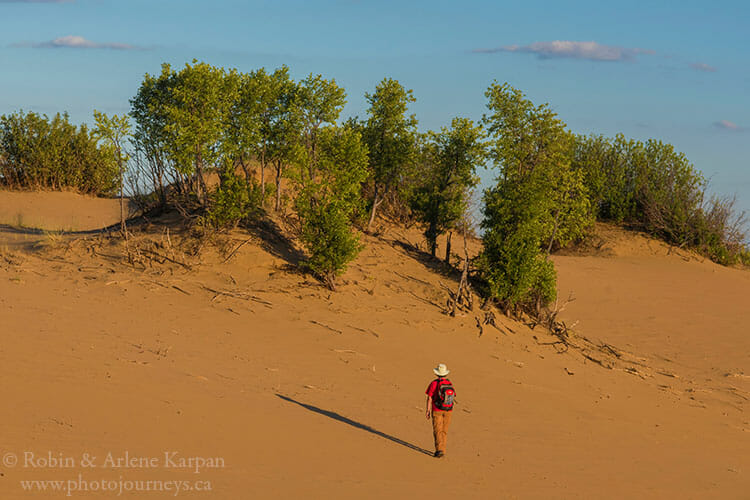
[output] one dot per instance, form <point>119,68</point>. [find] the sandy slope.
<point>687,313</point>
<point>303,392</point>
<point>59,210</point>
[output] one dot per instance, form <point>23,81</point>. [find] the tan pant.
<point>440,422</point>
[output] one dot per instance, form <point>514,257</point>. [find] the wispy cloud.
<point>703,67</point>
<point>75,42</point>
<point>559,49</point>
<point>727,125</point>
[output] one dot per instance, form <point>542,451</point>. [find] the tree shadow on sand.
<point>273,240</point>
<point>435,264</point>
<point>353,423</point>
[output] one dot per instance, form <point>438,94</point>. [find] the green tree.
<point>114,131</point>
<point>328,200</point>
<point>391,138</point>
<point>243,129</point>
<point>150,138</point>
<point>285,145</point>
<point>442,198</point>
<point>197,114</point>
<point>531,144</point>
<point>319,102</point>
<point>537,199</point>
<point>267,105</point>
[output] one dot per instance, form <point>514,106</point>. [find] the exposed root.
<point>237,295</point>
<point>326,326</point>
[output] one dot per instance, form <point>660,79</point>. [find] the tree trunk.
<point>245,169</point>
<point>375,204</point>
<point>263,176</point>
<point>432,236</point>
<point>160,187</point>
<point>279,169</point>
<point>448,248</point>
<point>203,190</point>
<point>202,187</point>
<point>554,232</point>
<point>123,229</point>
<point>330,281</point>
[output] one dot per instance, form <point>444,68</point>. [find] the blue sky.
<point>676,71</point>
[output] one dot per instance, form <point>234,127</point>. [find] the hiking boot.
<point>439,454</point>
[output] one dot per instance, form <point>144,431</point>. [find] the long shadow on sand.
<point>273,240</point>
<point>353,423</point>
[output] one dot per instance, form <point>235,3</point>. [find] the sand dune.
<point>304,392</point>
<point>59,210</point>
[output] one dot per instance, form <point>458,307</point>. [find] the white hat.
<point>441,370</point>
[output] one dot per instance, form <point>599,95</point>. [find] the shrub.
<point>327,234</point>
<point>235,200</point>
<point>514,270</point>
<point>721,232</point>
<point>654,187</point>
<point>670,194</point>
<point>36,152</point>
<point>568,217</point>
<point>330,198</point>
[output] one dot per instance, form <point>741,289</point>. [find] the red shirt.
<point>431,390</point>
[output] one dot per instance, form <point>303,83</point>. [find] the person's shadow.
<point>353,423</point>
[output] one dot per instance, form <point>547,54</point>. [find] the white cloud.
<point>592,51</point>
<point>727,125</point>
<point>703,67</point>
<point>75,42</point>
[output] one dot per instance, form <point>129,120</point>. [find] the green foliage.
<point>538,202</point>
<point>511,264</point>
<point>197,114</point>
<point>391,138</point>
<point>182,120</point>
<point>193,120</point>
<point>609,172</point>
<point>720,232</point>
<point>452,156</point>
<point>327,234</point>
<point>329,199</point>
<point>113,131</point>
<point>150,138</point>
<point>568,217</point>
<point>526,138</point>
<point>319,101</point>
<point>670,194</point>
<point>266,123</point>
<point>531,145</point>
<point>150,104</point>
<point>236,199</point>
<point>36,152</point>
<point>654,187</point>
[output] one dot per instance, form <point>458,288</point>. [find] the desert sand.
<point>291,390</point>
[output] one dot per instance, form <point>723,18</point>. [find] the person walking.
<point>440,400</point>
